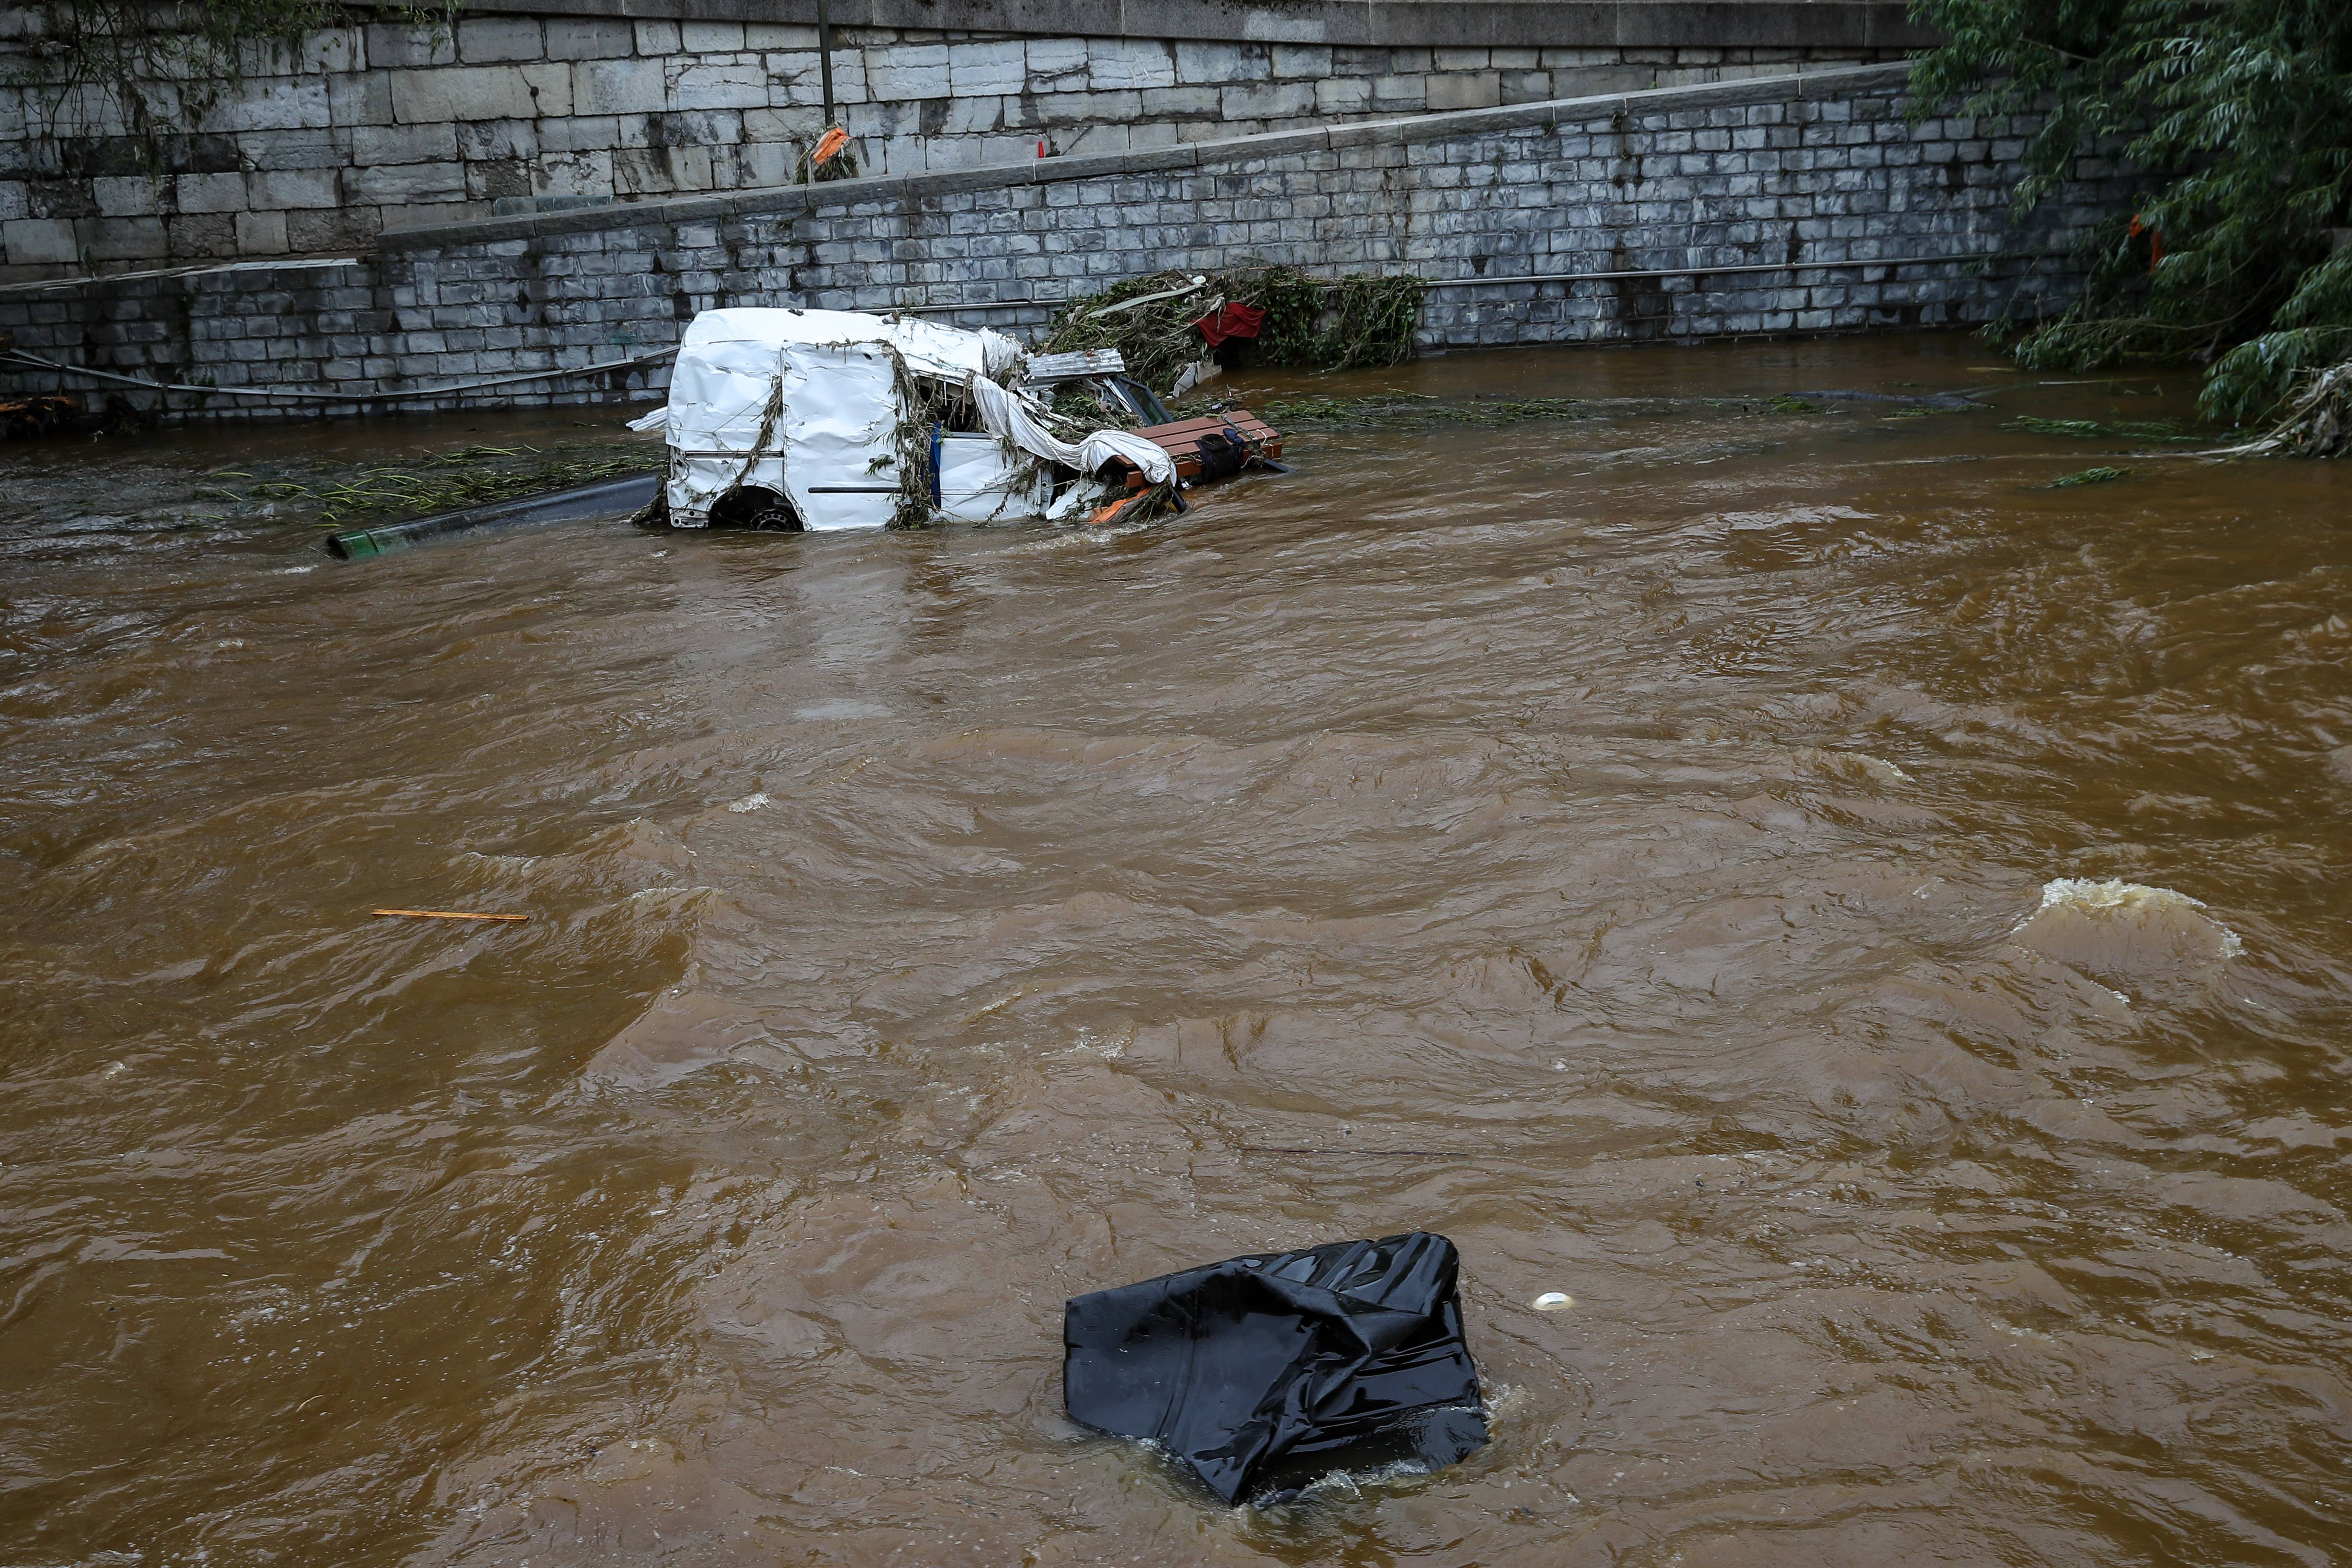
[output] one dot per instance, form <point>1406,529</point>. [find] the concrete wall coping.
<point>1440,24</point>
<point>897,190</point>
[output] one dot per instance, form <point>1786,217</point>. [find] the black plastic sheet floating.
<point>1261,1374</point>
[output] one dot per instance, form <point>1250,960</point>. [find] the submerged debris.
<point>39,414</point>
<point>447,482</point>
<point>1169,322</point>
<point>1265,1373</point>
<point>1428,408</point>
<point>2088,476</point>
<point>2318,420</point>
<point>1422,408</point>
<point>2166,430</point>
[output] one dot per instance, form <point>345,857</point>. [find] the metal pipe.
<point>824,57</point>
<point>17,356</point>
<point>1434,285</point>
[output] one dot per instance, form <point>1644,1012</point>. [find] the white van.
<point>834,419</point>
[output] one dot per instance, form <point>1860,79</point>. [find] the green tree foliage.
<point>2236,116</point>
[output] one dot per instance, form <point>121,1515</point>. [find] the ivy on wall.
<point>157,67</point>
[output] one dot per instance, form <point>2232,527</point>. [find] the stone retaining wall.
<point>1815,202</point>
<point>523,104</point>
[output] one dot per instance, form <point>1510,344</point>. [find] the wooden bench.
<point>1182,440</point>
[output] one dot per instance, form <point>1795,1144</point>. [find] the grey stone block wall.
<point>377,126</point>
<point>1796,205</point>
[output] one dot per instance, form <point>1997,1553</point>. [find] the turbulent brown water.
<point>1624,844</point>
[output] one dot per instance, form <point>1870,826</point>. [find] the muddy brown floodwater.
<point>1871,930</point>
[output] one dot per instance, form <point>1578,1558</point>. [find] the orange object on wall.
<point>832,141</point>
<point>2154,240</point>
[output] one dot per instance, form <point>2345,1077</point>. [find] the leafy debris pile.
<point>2318,421</point>
<point>1309,323</point>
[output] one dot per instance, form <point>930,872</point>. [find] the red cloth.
<point>1229,321</point>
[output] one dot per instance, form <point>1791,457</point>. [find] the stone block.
<point>495,40</point>
<point>1058,65</point>
<point>618,86</point>
<point>208,193</point>
<point>659,171</point>
<point>376,145</point>
<point>402,184</point>
<point>581,174</point>
<point>1221,63</point>
<point>482,141</point>
<point>462,92</point>
<point>276,190</point>
<point>1309,61</point>
<point>397,47</point>
<point>760,163</point>
<point>279,104</point>
<point>40,240</point>
<point>700,85</point>
<point>1115,65</point>
<point>1526,87</point>
<point>658,38</point>
<point>488,181</point>
<point>792,125</point>
<point>991,68</point>
<point>972,116</point>
<point>796,78</point>
<point>261,234</point>
<point>204,235</point>
<point>711,37</point>
<point>305,148</point>
<point>128,195</point>
<point>331,50</point>
<point>129,240</point>
<point>362,99</point>
<point>1076,108</point>
<point>589,39</point>
<point>907,71</point>
<point>779,36</point>
<point>550,85</point>
<point>1182,102</point>
<point>1467,89</point>
<point>1268,100</point>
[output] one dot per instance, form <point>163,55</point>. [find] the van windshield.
<point>1139,397</point>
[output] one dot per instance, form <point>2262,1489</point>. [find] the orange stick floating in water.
<point>449,915</point>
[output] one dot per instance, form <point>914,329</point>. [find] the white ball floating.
<point>1554,1301</point>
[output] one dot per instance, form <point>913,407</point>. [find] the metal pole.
<point>824,57</point>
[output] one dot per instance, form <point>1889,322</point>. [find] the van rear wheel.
<point>755,507</point>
